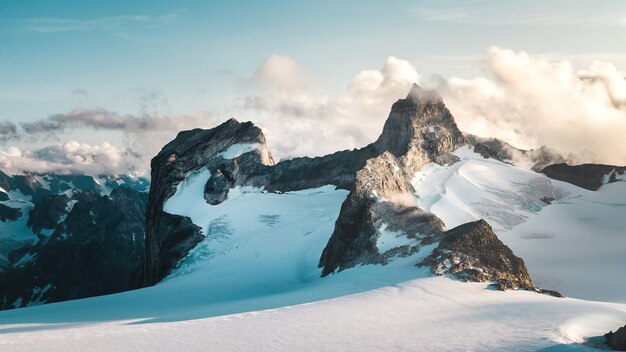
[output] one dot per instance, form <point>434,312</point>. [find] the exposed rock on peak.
<point>420,129</point>
<point>473,252</point>
<point>418,95</point>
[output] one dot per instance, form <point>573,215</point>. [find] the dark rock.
<point>4,196</point>
<point>550,292</point>
<point>617,340</point>
<point>94,251</point>
<point>168,237</point>
<point>473,252</point>
<point>47,213</point>
<point>420,129</point>
<point>9,214</point>
<point>588,176</point>
<point>499,150</point>
<point>382,196</point>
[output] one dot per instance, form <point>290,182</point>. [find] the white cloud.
<point>531,102</point>
<point>300,122</point>
<point>282,73</point>
<point>72,157</point>
<point>525,100</point>
<point>52,25</point>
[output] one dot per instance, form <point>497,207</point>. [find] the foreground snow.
<point>254,284</point>
<point>431,314</point>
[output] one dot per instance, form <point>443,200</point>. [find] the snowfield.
<point>253,283</point>
<point>575,245</point>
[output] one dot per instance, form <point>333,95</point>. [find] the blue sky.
<point>60,54</point>
<point>189,57</point>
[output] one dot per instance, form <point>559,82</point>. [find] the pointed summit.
<point>419,94</point>
<point>420,129</point>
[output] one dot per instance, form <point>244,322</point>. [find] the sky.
<point>101,86</point>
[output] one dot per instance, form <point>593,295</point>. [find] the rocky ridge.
<point>588,176</point>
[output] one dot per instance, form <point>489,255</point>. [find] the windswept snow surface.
<point>253,284</point>
<point>575,245</point>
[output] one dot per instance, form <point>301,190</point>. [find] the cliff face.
<point>169,237</point>
<point>381,200</point>
<point>420,129</point>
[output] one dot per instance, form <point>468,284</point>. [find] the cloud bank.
<point>73,157</point>
<point>143,135</point>
<point>531,102</point>
<point>523,100</point>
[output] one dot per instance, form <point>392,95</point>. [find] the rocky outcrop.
<point>617,340</point>
<point>588,176</point>
<point>95,250</point>
<point>420,129</point>
<point>381,200</point>
<point>473,252</point>
<point>169,237</point>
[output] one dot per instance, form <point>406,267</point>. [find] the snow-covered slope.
<point>254,282</point>
<point>432,314</point>
<point>575,245</point>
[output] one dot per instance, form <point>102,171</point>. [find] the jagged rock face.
<point>95,250</point>
<point>35,208</point>
<point>420,129</point>
<point>382,196</point>
<point>473,252</point>
<point>47,212</point>
<point>588,176</point>
<point>337,169</point>
<point>170,237</point>
<point>617,340</point>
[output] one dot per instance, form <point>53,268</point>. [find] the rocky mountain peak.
<point>420,129</point>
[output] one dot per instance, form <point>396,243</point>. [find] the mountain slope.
<point>69,236</point>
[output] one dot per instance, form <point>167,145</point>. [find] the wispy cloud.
<point>518,14</point>
<point>111,23</point>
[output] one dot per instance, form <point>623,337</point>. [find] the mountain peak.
<point>419,94</point>
<point>420,129</point>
